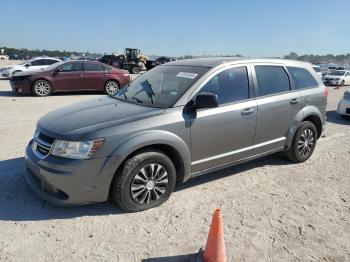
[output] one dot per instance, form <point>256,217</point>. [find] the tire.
<point>131,187</point>
<point>303,144</point>
<point>111,87</point>
<point>135,70</point>
<point>142,66</point>
<point>42,88</point>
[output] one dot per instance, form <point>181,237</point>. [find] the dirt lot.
<point>273,210</point>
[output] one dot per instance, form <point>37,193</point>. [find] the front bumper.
<point>64,182</point>
<point>344,107</point>
<point>21,87</point>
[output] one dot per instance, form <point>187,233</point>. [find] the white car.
<point>344,104</point>
<point>317,69</point>
<point>30,65</point>
<point>337,78</point>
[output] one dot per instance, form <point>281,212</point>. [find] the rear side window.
<point>230,85</point>
<point>38,62</point>
<point>50,61</point>
<point>93,67</point>
<point>271,80</point>
<point>72,67</point>
<point>302,78</point>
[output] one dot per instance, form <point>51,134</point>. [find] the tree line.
<point>27,53</point>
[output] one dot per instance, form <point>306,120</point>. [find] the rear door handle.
<point>80,75</point>
<point>105,74</point>
<point>295,101</point>
<point>248,111</point>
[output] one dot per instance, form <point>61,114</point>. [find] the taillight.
<point>325,92</point>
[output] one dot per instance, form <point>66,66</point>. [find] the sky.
<point>256,28</point>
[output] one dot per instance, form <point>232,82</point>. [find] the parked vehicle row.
<point>344,104</point>
<point>70,76</point>
<point>156,132</point>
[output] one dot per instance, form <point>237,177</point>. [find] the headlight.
<point>76,150</point>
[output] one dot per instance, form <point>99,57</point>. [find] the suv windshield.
<point>338,73</point>
<point>162,86</point>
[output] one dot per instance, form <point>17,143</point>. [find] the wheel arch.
<point>42,79</point>
<point>168,143</point>
<point>310,113</point>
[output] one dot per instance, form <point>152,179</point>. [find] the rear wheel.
<point>146,180</point>
<point>111,87</point>
<point>303,143</point>
<point>42,88</point>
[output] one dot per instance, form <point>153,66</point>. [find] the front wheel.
<point>42,88</point>
<point>111,87</point>
<point>146,180</point>
<point>303,143</point>
<point>135,69</point>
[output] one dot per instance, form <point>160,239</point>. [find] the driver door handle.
<point>248,111</point>
<point>295,101</point>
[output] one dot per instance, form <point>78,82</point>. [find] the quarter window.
<point>230,85</point>
<point>271,80</point>
<point>302,78</point>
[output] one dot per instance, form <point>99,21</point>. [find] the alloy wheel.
<point>306,142</point>
<point>42,88</point>
<point>112,87</point>
<point>149,184</point>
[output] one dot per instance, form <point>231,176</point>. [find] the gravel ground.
<point>273,210</point>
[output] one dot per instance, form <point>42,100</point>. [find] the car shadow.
<point>19,203</point>
<point>180,258</point>
<point>13,94</point>
<point>335,118</point>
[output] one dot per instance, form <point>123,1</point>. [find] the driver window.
<point>230,85</point>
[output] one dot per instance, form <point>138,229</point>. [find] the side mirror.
<point>206,100</point>
<point>28,64</point>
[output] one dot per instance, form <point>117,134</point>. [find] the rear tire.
<point>145,181</point>
<point>42,88</point>
<point>303,144</point>
<point>111,87</point>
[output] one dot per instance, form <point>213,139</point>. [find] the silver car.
<point>177,121</point>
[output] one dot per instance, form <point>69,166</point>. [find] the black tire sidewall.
<point>135,70</point>
<point>302,128</point>
<point>36,94</point>
<point>121,187</point>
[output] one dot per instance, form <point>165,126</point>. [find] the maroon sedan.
<point>70,76</point>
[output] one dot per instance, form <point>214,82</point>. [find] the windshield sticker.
<point>187,75</point>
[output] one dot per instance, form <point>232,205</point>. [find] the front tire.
<point>303,144</point>
<point>135,69</point>
<point>111,87</point>
<point>145,181</point>
<point>42,88</point>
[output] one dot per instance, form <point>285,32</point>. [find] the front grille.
<point>46,138</point>
<point>42,149</point>
<point>42,144</point>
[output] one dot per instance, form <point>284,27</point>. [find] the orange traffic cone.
<point>215,247</point>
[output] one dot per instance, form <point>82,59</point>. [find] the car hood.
<point>92,115</point>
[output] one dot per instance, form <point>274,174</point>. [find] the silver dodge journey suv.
<point>177,121</point>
